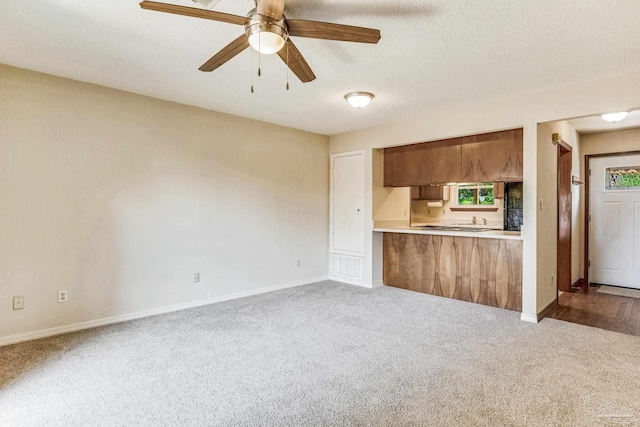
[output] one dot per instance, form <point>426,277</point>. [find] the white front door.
<point>347,193</point>
<point>614,229</point>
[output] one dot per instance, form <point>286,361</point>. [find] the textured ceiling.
<point>432,52</point>
<point>595,124</point>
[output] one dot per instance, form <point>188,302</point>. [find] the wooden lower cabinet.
<point>481,270</point>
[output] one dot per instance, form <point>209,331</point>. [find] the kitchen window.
<point>476,196</point>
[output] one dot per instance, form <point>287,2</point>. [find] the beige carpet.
<point>621,292</point>
<point>326,355</point>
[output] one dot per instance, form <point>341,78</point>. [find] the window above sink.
<point>479,196</point>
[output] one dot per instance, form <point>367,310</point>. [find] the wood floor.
<point>614,313</point>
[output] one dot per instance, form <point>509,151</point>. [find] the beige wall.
<point>120,199</point>
<point>547,228</point>
<point>525,109</point>
<point>602,143</point>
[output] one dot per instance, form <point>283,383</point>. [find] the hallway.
<point>604,311</point>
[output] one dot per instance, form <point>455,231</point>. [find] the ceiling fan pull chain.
<point>259,49</point>
<point>287,66</point>
<point>252,68</point>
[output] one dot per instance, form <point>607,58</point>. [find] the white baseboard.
<point>73,327</point>
<point>351,281</point>
<point>377,284</point>
<point>528,318</point>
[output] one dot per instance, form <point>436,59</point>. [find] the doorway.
<point>564,217</point>
<point>614,220</point>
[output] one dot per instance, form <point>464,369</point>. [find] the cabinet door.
<point>445,161</point>
<point>416,170</point>
<point>492,157</point>
<point>393,166</point>
<point>415,193</point>
<point>431,192</point>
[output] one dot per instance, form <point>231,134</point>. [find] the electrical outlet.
<point>552,279</point>
<point>62,296</point>
<point>196,278</point>
<point>18,302</point>
<point>298,263</point>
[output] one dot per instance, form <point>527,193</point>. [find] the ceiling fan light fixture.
<point>266,43</point>
<point>359,99</point>
<point>266,35</point>
<point>615,117</point>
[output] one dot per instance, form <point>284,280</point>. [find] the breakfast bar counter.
<point>483,267</point>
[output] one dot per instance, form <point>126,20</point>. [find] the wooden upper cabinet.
<point>492,157</point>
<point>431,163</point>
<point>427,192</point>
<point>394,167</point>
<point>489,157</point>
<point>445,161</point>
<point>417,164</point>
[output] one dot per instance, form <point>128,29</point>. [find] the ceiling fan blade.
<point>229,51</point>
<point>194,12</point>
<point>327,31</point>
<point>271,8</point>
<point>297,63</point>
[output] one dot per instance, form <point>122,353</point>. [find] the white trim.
<point>528,318</point>
<point>73,327</point>
<point>351,281</point>
<point>377,284</point>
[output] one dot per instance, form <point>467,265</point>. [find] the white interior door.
<point>347,194</point>
<point>614,229</point>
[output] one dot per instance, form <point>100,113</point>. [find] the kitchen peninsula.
<point>475,262</point>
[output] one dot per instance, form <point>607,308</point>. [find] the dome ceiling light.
<point>615,117</point>
<point>359,99</point>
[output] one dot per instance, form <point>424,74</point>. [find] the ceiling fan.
<point>267,30</point>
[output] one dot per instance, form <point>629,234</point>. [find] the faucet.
<point>484,221</point>
<point>474,220</point>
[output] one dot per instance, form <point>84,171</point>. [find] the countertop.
<point>492,234</point>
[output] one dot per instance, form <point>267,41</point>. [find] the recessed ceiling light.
<point>359,99</point>
<point>615,117</point>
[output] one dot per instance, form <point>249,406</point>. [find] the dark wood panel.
<point>427,192</point>
<point>394,167</point>
<point>445,161</point>
<point>417,165</point>
<point>564,219</point>
<point>431,192</point>
<point>488,157</point>
<point>416,193</point>
<point>492,157</point>
<point>485,271</point>
<point>498,190</point>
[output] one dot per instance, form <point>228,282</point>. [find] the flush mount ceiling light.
<point>359,99</point>
<point>615,117</point>
<point>266,35</point>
